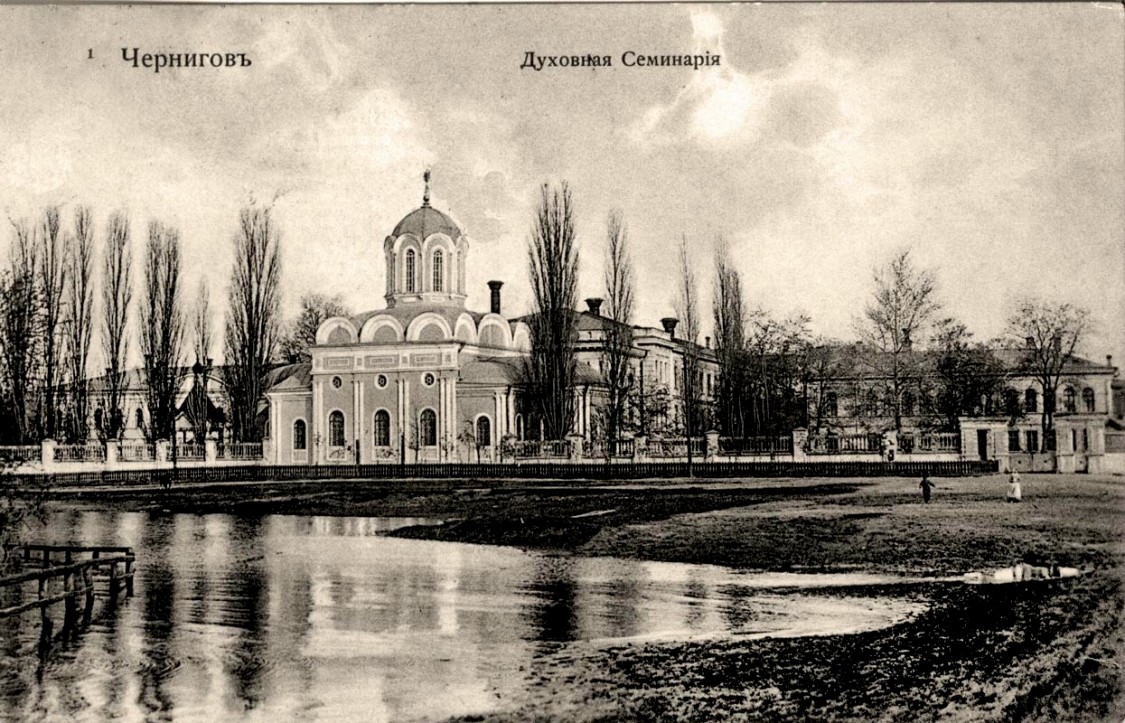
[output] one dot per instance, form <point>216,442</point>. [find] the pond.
<point>292,617</point>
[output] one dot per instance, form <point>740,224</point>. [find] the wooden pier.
<point>68,574</point>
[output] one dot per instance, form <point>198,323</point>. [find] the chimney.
<point>595,306</point>
<point>1109,360</point>
<point>669,324</point>
<point>494,304</point>
<point>1029,342</point>
<point>707,342</point>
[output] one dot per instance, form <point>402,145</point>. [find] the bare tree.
<point>199,403</point>
<point>79,303</point>
<point>51,281</point>
<point>619,290</point>
<point>687,308</point>
<point>252,318</point>
<point>730,342</point>
<point>902,307</point>
<point>1049,333</point>
<point>162,329</point>
<point>117,295</point>
<point>301,335</point>
<point>553,268</point>
<point>20,334</point>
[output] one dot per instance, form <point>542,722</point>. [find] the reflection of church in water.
<point>427,379</point>
<point>423,379</point>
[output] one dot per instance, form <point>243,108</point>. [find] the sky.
<point>988,139</point>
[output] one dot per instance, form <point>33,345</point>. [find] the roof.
<point>426,220</point>
<point>289,378</point>
<point>497,371</point>
<point>405,313</point>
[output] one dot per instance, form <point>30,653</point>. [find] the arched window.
<point>1069,401</point>
<point>336,429</point>
<point>299,435</point>
<point>1011,403</point>
<point>1088,399</point>
<point>484,432</point>
<point>831,406</point>
<point>140,418</point>
<point>1031,401</point>
<point>519,427</point>
<point>427,431</point>
<point>382,428</point>
<point>410,269</point>
<point>439,277</point>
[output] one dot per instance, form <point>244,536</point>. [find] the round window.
<point>381,380</point>
<point>337,382</point>
<point>428,379</point>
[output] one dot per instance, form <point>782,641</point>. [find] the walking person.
<point>1015,493</point>
<point>926,486</point>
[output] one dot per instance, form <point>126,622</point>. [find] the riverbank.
<point>1049,651</point>
<point>1037,652</point>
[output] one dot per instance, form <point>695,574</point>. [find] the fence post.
<point>712,438</point>
<point>800,439</point>
<point>640,447</point>
<point>210,450</point>
<point>576,450</point>
<point>161,453</point>
<point>47,454</point>
<point>112,452</point>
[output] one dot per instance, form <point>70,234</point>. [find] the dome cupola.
<point>425,257</point>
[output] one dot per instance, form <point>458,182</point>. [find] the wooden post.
<point>69,608</point>
<point>129,577</point>
<point>113,581</point>
<point>88,581</point>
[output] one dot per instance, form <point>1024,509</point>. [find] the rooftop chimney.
<point>494,303</point>
<point>595,306</point>
<point>669,324</point>
<point>1109,360</point>
<point>707,342</point>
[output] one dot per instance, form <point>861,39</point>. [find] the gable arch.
<point>521,336</point>
<point>465,330</point>
<point>420,324</point>
<point>494,331</point>
<point>337,330</point>
<point>382,329</point>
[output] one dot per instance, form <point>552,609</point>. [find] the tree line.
<point>54,302</point>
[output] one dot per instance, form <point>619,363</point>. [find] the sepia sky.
<point>989,139</point>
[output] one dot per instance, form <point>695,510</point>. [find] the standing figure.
<point>926,486</point>
<point>1015,494</point>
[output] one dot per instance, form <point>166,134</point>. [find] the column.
<point>357,414</point>
<point>315,424</point>
<point>443,418</point>
<point>497,424</point>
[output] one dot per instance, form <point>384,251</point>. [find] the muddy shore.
<point>1051,651</point>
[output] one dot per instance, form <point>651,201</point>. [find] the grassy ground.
<point>1051,651</point>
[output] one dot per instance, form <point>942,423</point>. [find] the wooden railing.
<point>735,446</point>
<point>80,453</point>
<point>20,453</point>
<point>77,569</point>
<point>845,444</point>
<point>911,443</point>
<point>674,448</point>
<point>241,451</point>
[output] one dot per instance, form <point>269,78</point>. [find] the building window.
<point>337,382</point>
<point>831,407</point>
<point>1069,404</point>
<point>427,428</point>
<point>381,381</point>
<point>439,263</point>
<point>1088,399</point>
<point>1032,440</point>
<point>428,379</point>
<point>1011,403</point>
<point>299,434</point>
<point>409,270</point>
<point>336,429</point>
<point>1031,401</point>
<point>519,427</point>
<point>1013,440</point>
<point>382,428</point>
<point>908,404</point>
<point>871,403</point>
<point>140,418</point>
<point>484,432</point>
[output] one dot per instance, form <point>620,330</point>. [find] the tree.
<point>902,306</point>
<point>773,373</point>
<point>301,335</point>
<point>1049,333</point>
<point>619,290</point>
<point>51,281</point>
<point>162,329</point>
<point>553,267</point>
<point>687,307</point>
<point>20,335</point>
<point>199,403</point>
<point>730,343</point>
<point>117,295</point>
<point>965,373</point>
<point>821,366</point>
<point>78,310</point>
<point>252,318</point>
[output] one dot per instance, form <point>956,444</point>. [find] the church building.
<point>424,379</point>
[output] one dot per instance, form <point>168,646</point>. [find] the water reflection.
<point>286,617</point>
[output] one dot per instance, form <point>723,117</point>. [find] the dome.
<point>424,221</point>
